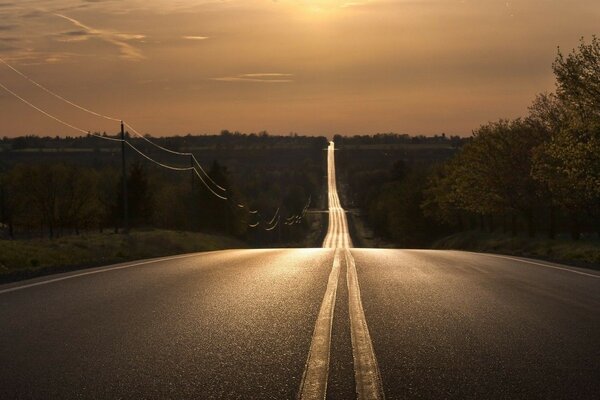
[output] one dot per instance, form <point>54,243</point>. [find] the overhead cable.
<point>87,110</point>
<point>157,162</point>
<point>207,186</point>
<point>179,153</point>
<point>109,138</point>
<point>274,216</point>
<point>87,132</point>
<point>44,88</point>
<point>273,226</point>
<point>42,111</point>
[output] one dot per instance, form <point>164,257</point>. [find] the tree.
<point>491,175</point>
<point>440,199</point>
<point>78,205</point>
<point>550,113</point>
<point>139,195</point>
<point>52,197</point>
<point>569,163</point>
<point>578,79</point>
<point>570,166</point>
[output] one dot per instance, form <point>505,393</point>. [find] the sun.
<point>324,5</point>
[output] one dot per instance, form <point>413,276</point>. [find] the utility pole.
<point>124,177</point>
<point>193,171</point>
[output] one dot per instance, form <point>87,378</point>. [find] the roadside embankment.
<point>21,259</point>
<point>584,252</point>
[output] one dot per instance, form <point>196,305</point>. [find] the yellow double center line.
<point>314,381</point>
<point>366,370</point>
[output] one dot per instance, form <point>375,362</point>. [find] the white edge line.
<point>135,264</point>
<point>534,263</point>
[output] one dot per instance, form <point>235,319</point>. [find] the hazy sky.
<point>309,66</point>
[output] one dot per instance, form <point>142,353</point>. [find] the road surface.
<point>306,323</point>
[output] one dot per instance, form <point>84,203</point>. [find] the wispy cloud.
<point>31,57</point>
<point>73,36</point>
<point>195,37</point>
<point>266,77</point>
<point>118,39</point>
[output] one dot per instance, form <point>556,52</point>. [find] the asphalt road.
<point>308,323</point>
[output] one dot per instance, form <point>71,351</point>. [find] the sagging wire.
<point>297,219</point>
<point>57,95</point>
<point>110,118</point>
<point>207,186</point>
<point>179,153</point>
<point>42,111</point>
<point>274,216</point>
<point>273,226</point>
<point>47,114</point>
<point>87,110</point>
<point>157,162</point>
<point>105,137</point>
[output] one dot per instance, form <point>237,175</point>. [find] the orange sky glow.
<point>308,66</point>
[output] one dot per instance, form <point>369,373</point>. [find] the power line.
<point>155,144</point>
<point>157,162</point>
<point>179,153</point>
<point>274,216</point>
<point>104,137</point>
<point>274,226</point>
<point>207,186</point>
<point>57,95</point>
<point>42,111</point>
<point>108,138</point>
<point>87,110</point>
<point>87,132</point>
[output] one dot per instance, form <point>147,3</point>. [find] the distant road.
<point>308,323</point>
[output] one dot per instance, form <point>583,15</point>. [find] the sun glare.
<point>324,6</point>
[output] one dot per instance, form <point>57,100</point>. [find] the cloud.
<point>266,77</point>
<point>195,37</point>
<point>118,39</point>
<point>31,57</point>
<point>73,36</point>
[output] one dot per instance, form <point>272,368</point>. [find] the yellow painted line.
<point>366,370</point>
<point>316,372</point>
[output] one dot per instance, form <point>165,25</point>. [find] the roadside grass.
<point>21,259</point>
<point>585,252</point>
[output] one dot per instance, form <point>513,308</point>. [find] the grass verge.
<point>21,259</point>
<point>584,253</point>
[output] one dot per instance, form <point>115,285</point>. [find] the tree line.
<point>83,191</point>
<point>538,173</point>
